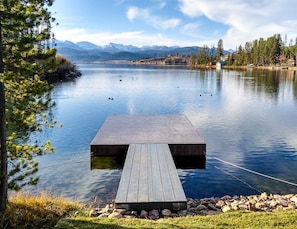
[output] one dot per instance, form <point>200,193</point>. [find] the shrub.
<point>66,71</point>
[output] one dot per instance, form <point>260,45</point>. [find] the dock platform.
<point>150,180</point>
<point>119,131</point>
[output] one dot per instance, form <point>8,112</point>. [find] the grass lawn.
<point>280,219</point>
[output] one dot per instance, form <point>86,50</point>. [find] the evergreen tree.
<point>248,53</point>
<point>203,55</point>
<point>261,52</point>
<point>212,53</point>
<point>255,53</point>
<point>220,50</point>
<point>239,58</point>
<point>26,54</point>
<point>192,60</point>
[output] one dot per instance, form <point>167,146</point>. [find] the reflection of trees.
<point>273,83</point>
<point>210,80</point>
<point>293,76</point>
<point>267,82</point>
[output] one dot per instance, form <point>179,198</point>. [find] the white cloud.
<point>190,28</point>
<point>135,12</point>
<point>136,38</point>
<point>132,13</point>
<point>153,20</point>
<point>190,8</point>
<point>247,19</point>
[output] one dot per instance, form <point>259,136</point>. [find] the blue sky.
<point>174,22</point>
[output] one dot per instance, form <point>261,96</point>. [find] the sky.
<point>174,22</point>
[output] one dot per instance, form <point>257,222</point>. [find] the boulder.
<point>166,212</point>
<point>226,208</point>
<point>143,214</point>
<point>115,215</point>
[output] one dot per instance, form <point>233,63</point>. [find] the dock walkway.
<point>150,180</point>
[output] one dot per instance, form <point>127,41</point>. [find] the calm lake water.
<point>248,118</point>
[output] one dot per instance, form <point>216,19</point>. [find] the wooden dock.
<point>119,131</point>
<point>149,179</point>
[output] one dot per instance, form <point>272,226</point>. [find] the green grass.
<point>47,211</point>
<point>280,219</point>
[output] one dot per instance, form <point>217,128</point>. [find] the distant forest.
<point>262,52</point>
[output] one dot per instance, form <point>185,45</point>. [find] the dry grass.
<point>42,211</point>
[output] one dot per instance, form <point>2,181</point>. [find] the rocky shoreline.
<point>207,206</point>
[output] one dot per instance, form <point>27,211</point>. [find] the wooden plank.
<point>122,130</point>
<point>150,181</point>
<point>155,178</point>
<point>170,175</point>
<point>143,188</point>
<point>126,175</point>
<point>149,178</point>
<point>174,178</point>
<point>168,193</point>
<point>133,184</point>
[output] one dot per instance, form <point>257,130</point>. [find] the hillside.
<point>83,52</point>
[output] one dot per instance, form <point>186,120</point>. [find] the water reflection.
<point>117,162</point>
<point>246,117</point>
<point>105,162</point>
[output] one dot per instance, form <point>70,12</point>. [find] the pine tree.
<point>220,50</point>
<point>26,54</point>
<point>192,60</point>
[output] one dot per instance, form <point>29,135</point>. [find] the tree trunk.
<point>3,150</point>
<point>3,172</point>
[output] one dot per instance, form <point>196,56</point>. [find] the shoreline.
<point>270,67</point>
<point>278,68</point>
<point>206,206</point>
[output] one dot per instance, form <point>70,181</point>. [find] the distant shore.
<point>292,68</point>
<point>270,67</point>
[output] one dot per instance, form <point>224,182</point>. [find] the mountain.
<point>84,51</point>
<point>114,48</point>
<point>88,45</point>
<point>230,50</point>
<point>67,44</point>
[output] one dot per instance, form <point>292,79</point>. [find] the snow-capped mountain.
<point>85,51</point>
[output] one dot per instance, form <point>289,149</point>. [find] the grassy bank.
<point>46,211</point>
<point>253,220</point>
<point>42,211</point>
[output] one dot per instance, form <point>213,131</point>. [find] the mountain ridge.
<point>85,51</point>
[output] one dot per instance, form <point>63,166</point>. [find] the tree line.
<point>206,55</point>
<point>261,52</point>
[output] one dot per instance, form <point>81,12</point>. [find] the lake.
<point>247,118</point>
